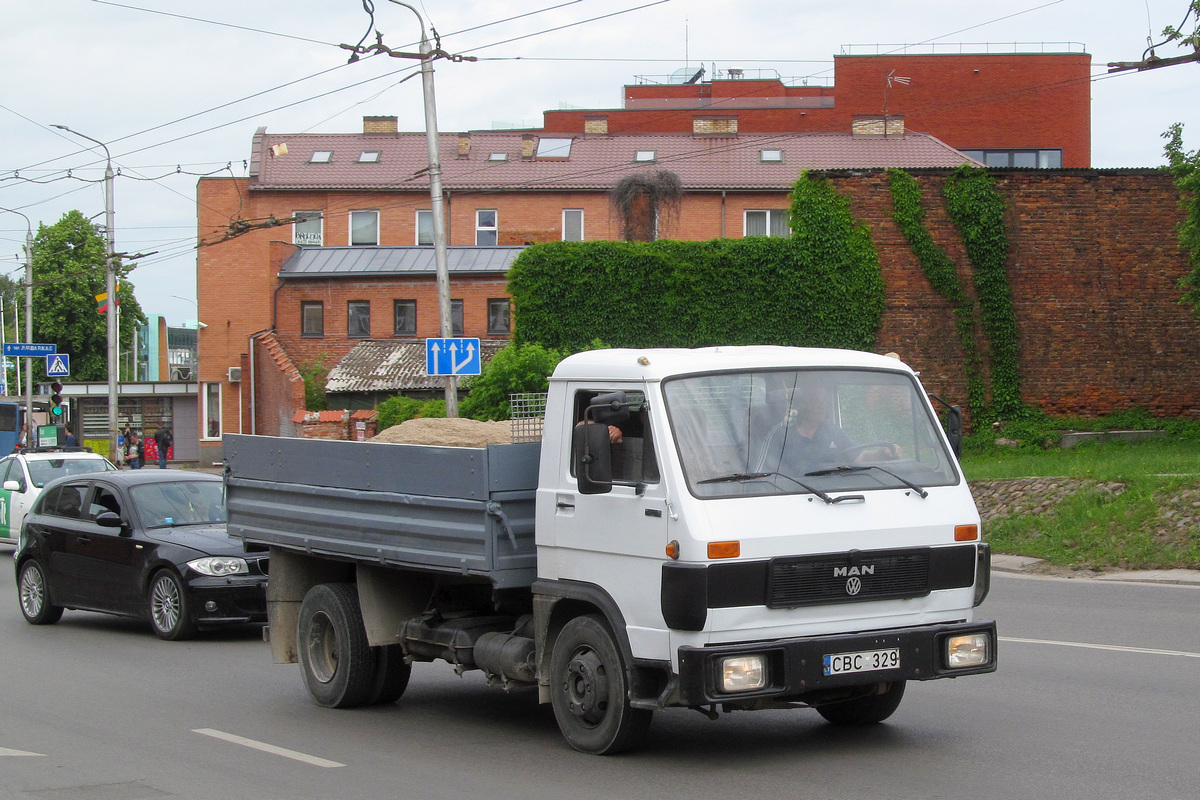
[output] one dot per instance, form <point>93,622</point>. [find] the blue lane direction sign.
<point>28,349</point>
<point>452,357</point>
<point>58,365</point>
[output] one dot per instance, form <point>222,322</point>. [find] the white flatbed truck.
<point>721,529</point>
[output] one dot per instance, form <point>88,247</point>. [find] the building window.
<point>212,411</point>
<point>405,312</point>
<point>770,155</point>
<point>424,226</point>
<point>487,233</point>
<point>308,228</point>
<point>767,222</point>
<point>456,318</point>
<point>321,157</point>
<point>369,157</point>
<point>358,319</point>
<point>644,155</point>
<point>554,148</point>
<point>312,319</point>
<point>1031,159</point>
<point>498,317</point>
<point>572,225</point>
<point>364,227</point>
<point>498,157</point>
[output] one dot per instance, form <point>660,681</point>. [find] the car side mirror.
<point>109,519</point>
<point>592,454</point>
<point>11,486</point>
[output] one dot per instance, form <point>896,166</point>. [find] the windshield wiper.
<point>846,468</point>
<point>754,476</point>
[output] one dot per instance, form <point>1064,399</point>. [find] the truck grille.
<point>847,577</point>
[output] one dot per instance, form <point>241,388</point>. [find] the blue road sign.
<point>452,357</point>
<point>58,365</point>
<point>25,349</point>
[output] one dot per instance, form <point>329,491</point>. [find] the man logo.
<point>846,572</point>
<point>853,586</point>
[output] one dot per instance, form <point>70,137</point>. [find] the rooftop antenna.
<point>892,77</point>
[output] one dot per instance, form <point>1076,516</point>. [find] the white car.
<point>23,474</point>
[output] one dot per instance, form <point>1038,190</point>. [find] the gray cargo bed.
<point>448,509</point>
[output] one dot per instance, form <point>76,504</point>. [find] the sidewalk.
<point>1025,565</point>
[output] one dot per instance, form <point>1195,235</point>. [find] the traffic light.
<point>56,401</point>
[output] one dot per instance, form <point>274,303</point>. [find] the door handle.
<point>85,540</point>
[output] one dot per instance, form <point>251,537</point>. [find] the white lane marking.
<point>4,751</point>
<point>1117,648</point>
<point>268,748</point>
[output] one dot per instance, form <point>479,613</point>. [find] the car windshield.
<point>801,431</point>
<point>174,503</point>
<point>43,470</point>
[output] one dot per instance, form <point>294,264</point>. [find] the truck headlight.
<point>743,673</point>
<point>968,650</point>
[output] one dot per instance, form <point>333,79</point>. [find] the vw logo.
<point>853,586</point>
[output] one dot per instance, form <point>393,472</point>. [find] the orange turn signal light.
<point>724,549</point>
<point>966,533</point>
<point>673,549</point>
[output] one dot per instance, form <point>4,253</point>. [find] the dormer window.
<point>775,156</point>
<point>368,157</point>
<point>321,157</point>
<point>645,155</point>
<point>554,148</point>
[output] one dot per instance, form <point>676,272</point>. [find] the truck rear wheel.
<point>337,663</point>
<point>590,690</point>
<point>866,710</point>
<point>391,675</point>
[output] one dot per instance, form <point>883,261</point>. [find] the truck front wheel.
<point>865,710</point>
<point>337,663</point>
<point>590,690</point>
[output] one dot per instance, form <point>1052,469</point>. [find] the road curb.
<point>1173,577</point>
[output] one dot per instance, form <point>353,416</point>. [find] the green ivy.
<point>942,274</point>
<point>978,211</point>
<point>821,287</point>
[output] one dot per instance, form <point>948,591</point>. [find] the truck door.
<point>617,540</point>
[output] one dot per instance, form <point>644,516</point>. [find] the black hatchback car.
<point>142,543</point>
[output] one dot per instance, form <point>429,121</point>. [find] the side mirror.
<point>592,458</point>
<point>953,426</point>
<point>609,408</point>
<point>109,519</point>
<point>11,486</point>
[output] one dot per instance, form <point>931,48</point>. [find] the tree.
<point>1182,35</point>
<point>1184,166</point>
<point>646,203</point>
<point>68,273</point>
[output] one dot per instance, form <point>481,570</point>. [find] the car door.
<point>10,519</point>
<point>109,559</point>
<point>53,533</point>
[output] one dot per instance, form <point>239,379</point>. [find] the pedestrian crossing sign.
<point>58,365</point>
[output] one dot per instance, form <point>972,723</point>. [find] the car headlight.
<point>743,673</point>
<point>218,566</point>
<point>970,650</point>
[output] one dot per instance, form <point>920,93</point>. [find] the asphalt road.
<point>1096,696</point>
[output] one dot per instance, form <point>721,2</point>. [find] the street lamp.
<point>110,286</point>
<point>28,324</point>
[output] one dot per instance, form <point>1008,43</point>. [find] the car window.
<point>42,471</point>
<point>8,473</point>
<point>67,501</point>
<point>104,500</point>
<point>179,503</point>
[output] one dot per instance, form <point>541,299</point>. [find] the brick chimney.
<point>380,125</point>
<point>528,145</point>
<point>464,145</point>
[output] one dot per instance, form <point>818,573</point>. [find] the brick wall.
<point>1094,265</point>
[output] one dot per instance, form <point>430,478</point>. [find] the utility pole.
<point>28,324</point>
<point>110,286</point>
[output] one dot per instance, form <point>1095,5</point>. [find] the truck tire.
<point>866,710</point>
<point>391,675</point>
<point>338,666</point>
<point>590,690</point>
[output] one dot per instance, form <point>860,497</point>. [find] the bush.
<point>515,369</point>
<point>432,409</point>
<point>397,409</point>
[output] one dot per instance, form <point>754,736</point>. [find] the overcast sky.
<point>177,88</point>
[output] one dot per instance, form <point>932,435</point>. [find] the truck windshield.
<point>805,431</point>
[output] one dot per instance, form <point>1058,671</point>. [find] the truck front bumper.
<point>791,669</point>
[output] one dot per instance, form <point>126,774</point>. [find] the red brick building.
<point>1021,109</point>
<point>363,199</point>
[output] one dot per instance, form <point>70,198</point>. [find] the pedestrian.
<point>122,444</point>
<point>164,440</point>
<point>71,442</point>
<point>133,452</point>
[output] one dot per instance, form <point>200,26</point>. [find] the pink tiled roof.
<point>596,161</point>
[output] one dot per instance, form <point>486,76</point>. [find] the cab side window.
<point>632,445</point>
<point>10,470</point>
